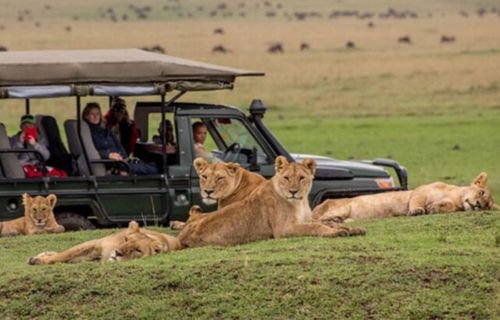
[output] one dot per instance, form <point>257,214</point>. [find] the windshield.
<point>230,140</point>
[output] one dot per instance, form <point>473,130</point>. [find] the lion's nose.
<point>294,192</point>
<point>209,192</point>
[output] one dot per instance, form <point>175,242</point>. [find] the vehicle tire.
<point>73,221</point>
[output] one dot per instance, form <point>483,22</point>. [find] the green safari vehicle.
<point>91,197</point>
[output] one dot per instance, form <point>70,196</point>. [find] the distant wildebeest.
<point>304,46</point>
<point>276,48</point>
<point>67,28</point>
<point>220,49</point>
<point>445,39</point>
<point>218,31</point>
<point>404,39</point>
<point>350,45</point>
<point>2,48</point>
<point>155,48</point>
<point>371,24</point>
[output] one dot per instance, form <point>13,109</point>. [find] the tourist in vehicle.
<point>200,135</point>
<point>120,124</point>
<point>29,139</point>
<point>166,128</point>
<point>108,146</point>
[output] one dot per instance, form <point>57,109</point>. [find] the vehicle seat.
<point>75,148</point>
<point>59,155</point>
<point>11,167</point>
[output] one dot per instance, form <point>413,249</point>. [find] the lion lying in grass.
<point>432,198</point>
<point>372,206</point>
<point>130,243</point>
<point>277,208</point>
<point>223,183</point>
<point>38,218</point>
<point>441,197</point>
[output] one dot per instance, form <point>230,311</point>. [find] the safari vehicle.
<point>92,197</point>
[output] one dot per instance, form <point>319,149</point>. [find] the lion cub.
<point>223,183</point>
<point>130,243</point>
<point>277,208</point>
<point>38,218</point>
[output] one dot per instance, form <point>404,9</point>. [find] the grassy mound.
<point>432,267</point>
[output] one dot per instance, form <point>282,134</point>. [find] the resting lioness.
<point>223,183</point>
<point>130,243</point>
<point>363,207</point>
<point>277,208</point>
<point>432,198</point>
<point>443,197</point>
<point>38,218</point>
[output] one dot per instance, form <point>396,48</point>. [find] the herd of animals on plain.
<point>265,8</point>
<point>251,208</point>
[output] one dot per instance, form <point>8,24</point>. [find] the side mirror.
<point>254,166</point>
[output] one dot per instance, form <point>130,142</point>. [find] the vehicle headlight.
<point>385,183</point>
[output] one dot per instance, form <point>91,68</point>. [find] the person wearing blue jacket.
<point>106,143</point>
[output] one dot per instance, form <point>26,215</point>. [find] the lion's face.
<point>293,181</point>
<point>138,244</point>
<point>217,180</point>
<point>39,209</point>
<point>478,196</point>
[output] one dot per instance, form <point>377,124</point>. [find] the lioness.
<point>222,183</point>
<point>130,243</point>
<point>363,207</point>
<point>431,198</point>
<point>38,218</point>
<point>277,208</point>
<point>443,197</point>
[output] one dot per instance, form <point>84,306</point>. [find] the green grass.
<point>452,148</point>
<point>429,267</point>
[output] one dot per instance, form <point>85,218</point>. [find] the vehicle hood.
<point>340,169</point>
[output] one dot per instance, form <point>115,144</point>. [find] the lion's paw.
<point>40,258</point>
<point>416,211</point>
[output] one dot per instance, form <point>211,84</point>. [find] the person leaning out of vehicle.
<point>29,139</point>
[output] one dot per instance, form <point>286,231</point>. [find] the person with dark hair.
<point>108,146</point>
<point>166,129</point>
<point>120,124</point>
<point>200,135</point>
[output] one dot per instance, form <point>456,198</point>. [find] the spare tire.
<point>73,221</point>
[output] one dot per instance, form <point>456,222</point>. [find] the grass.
<point>433,107</point>
<point>437,267</point>
<point>453,149</point>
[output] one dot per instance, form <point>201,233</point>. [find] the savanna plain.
<point>434,106</point>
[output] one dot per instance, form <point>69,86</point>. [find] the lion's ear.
<point>310,164</point>
<point>481,180</point>
<point>52,199</point>
<point>200,164</point>
<point>280,163</point>
<point>26,200</point>
<point>133,226</point>
<point>232,167</point>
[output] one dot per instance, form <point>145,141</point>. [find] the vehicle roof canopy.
<point>55,73</point>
